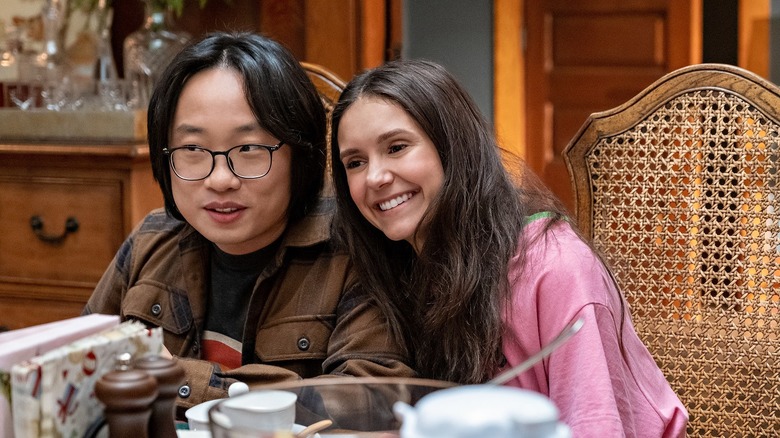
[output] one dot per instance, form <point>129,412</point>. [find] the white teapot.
<point>478,411</point>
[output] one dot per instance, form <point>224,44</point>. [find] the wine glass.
<point>113,94</point>
<point>23,95</point>
<point>61,94</point>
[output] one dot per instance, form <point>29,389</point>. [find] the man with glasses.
<point>239,269</point>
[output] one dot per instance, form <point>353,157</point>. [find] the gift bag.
<point>19,345</point>
<point>53,394</point>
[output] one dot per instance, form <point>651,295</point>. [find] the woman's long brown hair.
<point>446,302</point>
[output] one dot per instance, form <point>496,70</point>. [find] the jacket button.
<point>195,347</point>
<point>303,343</point>
<point>184,391</point>
<point>156,309</point>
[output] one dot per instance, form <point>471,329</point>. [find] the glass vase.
<point>91,60</point>
<point>51,63</point>
<point>148,50</point>
<point>105,68</point>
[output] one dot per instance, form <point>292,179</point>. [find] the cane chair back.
<point>678,188</point>
<point>329,86</point>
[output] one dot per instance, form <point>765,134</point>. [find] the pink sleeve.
<point>600,389</point>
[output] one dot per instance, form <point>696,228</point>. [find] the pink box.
<point>16,346</point>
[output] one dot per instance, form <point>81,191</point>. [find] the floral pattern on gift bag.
<point>23,344</point>
<point>54,394</point>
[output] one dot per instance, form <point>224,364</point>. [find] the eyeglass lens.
<point>247,161</point>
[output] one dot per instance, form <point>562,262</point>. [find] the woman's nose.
<point>378,175</point>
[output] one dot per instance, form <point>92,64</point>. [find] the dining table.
<point>354,406</point>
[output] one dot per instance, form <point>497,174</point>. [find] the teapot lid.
<point>482,410</point>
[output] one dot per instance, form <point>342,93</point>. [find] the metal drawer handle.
<point>36,223</point>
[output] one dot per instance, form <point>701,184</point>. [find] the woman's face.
<point>239,215</point>
<point>393,169</point>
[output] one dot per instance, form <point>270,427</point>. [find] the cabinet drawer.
<point>25,312</point>
<point>82,255</point>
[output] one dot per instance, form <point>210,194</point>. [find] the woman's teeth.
<point>225,210</point>
<point>387,205</point>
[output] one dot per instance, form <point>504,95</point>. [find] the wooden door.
<point>343,36</point>
<point>585,56</point>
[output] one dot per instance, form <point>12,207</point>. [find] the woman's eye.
<point>352,164</point>
<point>396,148</point>
<point>190,147</point>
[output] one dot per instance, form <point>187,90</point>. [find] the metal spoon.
<point>562,337</point>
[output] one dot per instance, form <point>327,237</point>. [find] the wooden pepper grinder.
<point>169,376</point>
<point>128,395</point>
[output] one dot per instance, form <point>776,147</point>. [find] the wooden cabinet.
<point>46,272</point>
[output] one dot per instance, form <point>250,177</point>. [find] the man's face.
<point>239,215</point>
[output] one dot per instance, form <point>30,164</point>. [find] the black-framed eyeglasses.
<point>248,161</point>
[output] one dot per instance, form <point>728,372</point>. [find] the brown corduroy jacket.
<point>307,314</point>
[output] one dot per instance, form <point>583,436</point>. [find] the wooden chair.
<point>679,189</point>
<point>329,86</point>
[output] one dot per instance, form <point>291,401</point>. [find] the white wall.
<point>774,42</point>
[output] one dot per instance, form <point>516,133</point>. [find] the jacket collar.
<point>314,228</point>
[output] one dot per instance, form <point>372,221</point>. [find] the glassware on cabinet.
<point>51,62</point>
<point>9,63</point>
<point>105,67</point>
<point>110,89</point>
<point>148,50</point>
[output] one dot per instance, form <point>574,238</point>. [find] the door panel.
<point>586,56</point>
<point>596,43</point>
